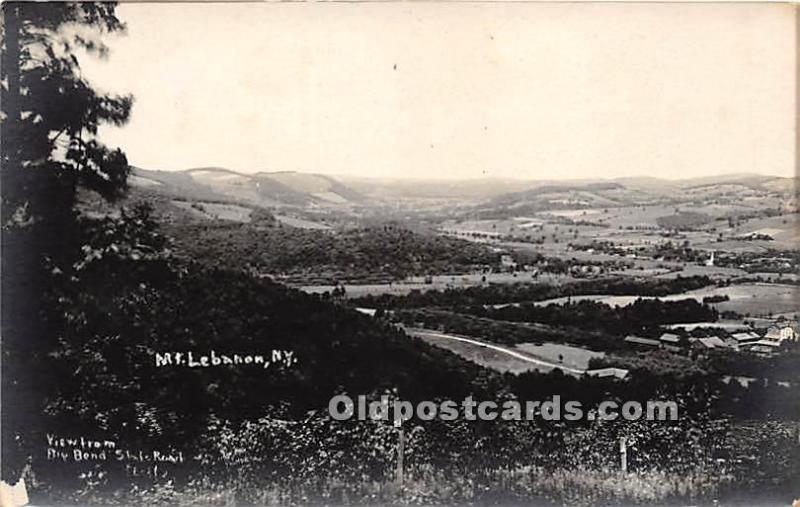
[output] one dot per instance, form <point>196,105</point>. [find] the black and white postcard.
<point>384,253</point>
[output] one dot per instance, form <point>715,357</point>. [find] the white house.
<point>781,333</point>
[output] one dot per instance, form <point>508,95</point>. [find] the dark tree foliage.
<point>119,298</point>
<point>52,113</point>
<point>641,315</point>
<point>521,292</point>
<point>125,300</point>
<point>378,253</point>
<point>48,149</point>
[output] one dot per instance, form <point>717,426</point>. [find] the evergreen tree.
<point>48,149</point>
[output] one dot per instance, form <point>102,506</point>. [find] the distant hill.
<point>484,188</point>
<point>323,188</point>
<point>636,191</point>
<point>590,191</point>
<point>261,189</point>
<point>745,179</point>
<point>490,197</point>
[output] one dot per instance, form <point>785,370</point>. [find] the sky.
<point>456,90</point>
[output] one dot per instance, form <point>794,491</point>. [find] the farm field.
<point>211,210</point>
<point>715,272</point>
<point>750,298</point>
<point>486,357</point>
<point>598,298</point>
<point>760,299</point>
<point>628,216</point>
<point>519,359</point>
<point>567,355</point>
<point>784,229</point>
<point>778,277</point>
<point>638,226</point>
<point>642,266</point>
<point>438,282</point>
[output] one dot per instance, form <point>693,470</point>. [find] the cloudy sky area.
<point>447,90</point>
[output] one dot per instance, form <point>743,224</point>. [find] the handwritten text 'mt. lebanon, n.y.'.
<point>190,359</point>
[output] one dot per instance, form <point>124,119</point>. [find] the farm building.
<point>745,338</point>
<point>670,342</point>
<point>670,338</point>
<point>711,342</point>
<point>781,333</point>
<point>619,373</point>
<point>638,340</point>
<point>763,347</point>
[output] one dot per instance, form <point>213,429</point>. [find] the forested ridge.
<point>641,315</point>
<point>378,253</point>
<point>532,291</point>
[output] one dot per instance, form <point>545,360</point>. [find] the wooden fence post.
<point>401,445</point>
<point>623,454</point>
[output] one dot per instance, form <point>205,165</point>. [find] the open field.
<point>760,299</point>
<point>784,229</point>
<point>438,282</point>
<point>563,354</point>
<point>521,358</point>
<point>486,357</point>
<point>211,210</point>
<point>714,272</point>
<point>628,216</point>
<point>641,266</point>
<point>749,298</point>
<point>714,227</point>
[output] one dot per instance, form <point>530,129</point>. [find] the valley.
<point>589,289</point>
<point>360,242</point>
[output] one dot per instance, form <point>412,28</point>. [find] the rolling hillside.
<point>489,198</point>
<point>279,189</point>
<point>733,190</point>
